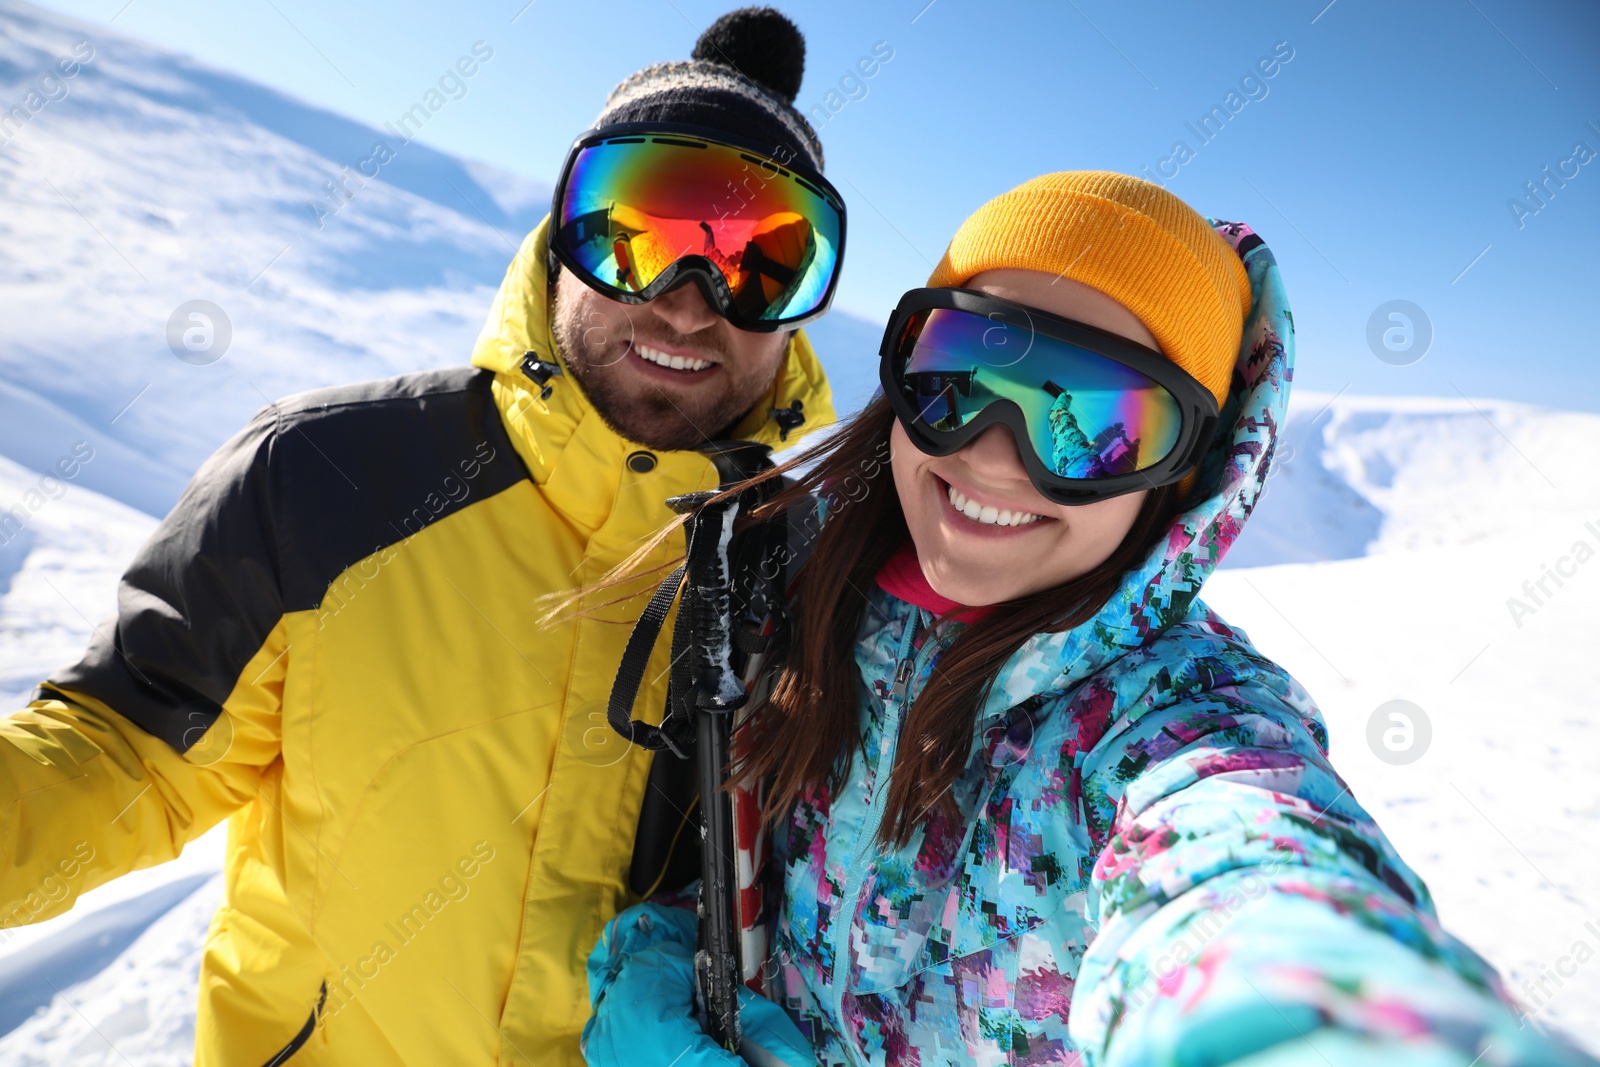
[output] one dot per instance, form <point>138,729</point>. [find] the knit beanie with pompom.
<point>741,79</point>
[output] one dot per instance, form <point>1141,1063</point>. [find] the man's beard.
<point>637,408</point>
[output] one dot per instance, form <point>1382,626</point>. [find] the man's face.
<point>670,374</point>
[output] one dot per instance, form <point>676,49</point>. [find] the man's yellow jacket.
<point>335,641</point>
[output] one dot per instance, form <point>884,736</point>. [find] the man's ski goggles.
<point>1094,414</point>
<point>643,208</point>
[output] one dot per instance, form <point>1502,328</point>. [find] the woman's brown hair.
<point>805,734</point>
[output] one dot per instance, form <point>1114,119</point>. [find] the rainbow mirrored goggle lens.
<point>1087,416</point>
<point>636,208</point>
<point>1099,412</point>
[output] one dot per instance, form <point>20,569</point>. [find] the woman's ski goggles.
<point>643,208</point>
<point>1094,414</point>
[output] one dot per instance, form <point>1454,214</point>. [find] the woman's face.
<point>977,563</point>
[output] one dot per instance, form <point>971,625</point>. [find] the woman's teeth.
<point>661,359</point>
<point>987,513</point>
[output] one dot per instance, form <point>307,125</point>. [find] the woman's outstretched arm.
<point>1248,909</point>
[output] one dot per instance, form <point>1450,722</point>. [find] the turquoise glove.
<point>641,984</point>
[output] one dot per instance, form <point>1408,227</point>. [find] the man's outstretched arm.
<point>170,718</point>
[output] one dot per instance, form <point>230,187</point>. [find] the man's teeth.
<point>660,358</point>
<point>988,513</point>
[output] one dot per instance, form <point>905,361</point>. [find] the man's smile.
<point>674,361</point>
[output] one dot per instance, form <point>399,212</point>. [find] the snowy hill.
<point>154,181</point>
<point>1378,565</point>
<point>1369,475</point>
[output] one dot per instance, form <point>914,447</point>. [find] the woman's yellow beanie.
<point>1128,238</point>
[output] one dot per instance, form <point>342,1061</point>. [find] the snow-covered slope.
<point>1399,527</point>
<point>1363,475</point>
<point>155,181</point>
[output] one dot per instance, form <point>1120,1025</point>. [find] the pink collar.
<point>902,577</point>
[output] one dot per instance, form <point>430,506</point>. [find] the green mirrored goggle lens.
<point>635,205</point>
<point>1088,416</point>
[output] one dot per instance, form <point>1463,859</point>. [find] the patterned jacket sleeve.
<point>1249,909</point>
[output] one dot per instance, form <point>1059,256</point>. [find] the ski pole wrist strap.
<point>673,733</point>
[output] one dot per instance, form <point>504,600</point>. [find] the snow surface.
<point>1378,565</point>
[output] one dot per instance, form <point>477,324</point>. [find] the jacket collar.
<point>579,461</point>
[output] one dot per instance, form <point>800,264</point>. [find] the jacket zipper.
<point>298,1040</point>
<point>906,666</point>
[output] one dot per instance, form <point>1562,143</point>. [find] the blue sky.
<point>1379,161</point>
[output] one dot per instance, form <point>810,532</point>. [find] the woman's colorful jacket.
<point>1154,862</point>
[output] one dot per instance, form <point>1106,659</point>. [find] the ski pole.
<point>720,604</point>
<point>727,620</point>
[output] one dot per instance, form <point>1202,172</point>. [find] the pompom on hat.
<point>1128,238</point>
<point>741,79</point>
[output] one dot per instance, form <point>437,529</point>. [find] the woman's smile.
<point>979,512</point>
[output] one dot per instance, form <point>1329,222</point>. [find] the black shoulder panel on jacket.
<point>312,485</point>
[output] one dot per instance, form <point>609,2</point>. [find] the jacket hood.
<point>1162,588</point>
<point>520,322</point>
